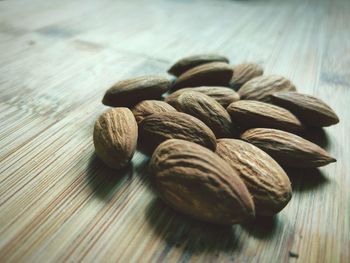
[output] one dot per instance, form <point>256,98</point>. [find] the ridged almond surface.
<point>225,96</point>
<point>261,88</point>
<point>242,73</point>
<point>207,110</point>
<point>257,114</point>
<point>159,127</point>
<point>115,137</point>
<point>197,182</point>
<point>211,74</point>
<point>310,110</point>
<point>187,63</point>
<point>127,93</point>
<point>149,107</point>
<point>288,149</point>
<point>265,179</point>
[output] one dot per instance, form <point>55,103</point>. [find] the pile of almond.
<point>218,135</point>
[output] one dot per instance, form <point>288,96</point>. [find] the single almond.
<point>225,96</point>
<point>256,114</point>
<point>149,107</point>
<point>265,179</point>
<point>261,88</point>
<point>207,110</point>
<point>127,93</point>
<point>242,73</point>
<point>197,182</point>
<point>187,63</point>
<point>310,110</point>
<point>115,137</point>
<point>211,74</point>
<point>160,127</point>
<point>288,149</point>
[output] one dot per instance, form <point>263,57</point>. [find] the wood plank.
<point>59,203</point>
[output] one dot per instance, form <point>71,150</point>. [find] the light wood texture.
<point>59,203</point>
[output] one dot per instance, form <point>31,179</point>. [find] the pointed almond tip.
<point>106,100</point>
<point>332,160</point>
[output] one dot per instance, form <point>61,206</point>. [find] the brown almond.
<point>225,96</point>
<point>127,93</point>
<point>265,179</point>
<point>288,149</point>
<point>197,182</point>
<point>159,127</point>
<point>149,107</point>
<point>261,88</point>
<point>207,110</point>
<point>242,73</point>
<point>211,74</point>
<point>115,137</point>
<point>187,63</point>
<point>256,114</point>
<point>310,110</point>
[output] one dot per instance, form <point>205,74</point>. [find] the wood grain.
<point>59,203</point>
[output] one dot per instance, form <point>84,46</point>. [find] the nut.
<point>242,73</point>
<point>265,179</point>
<point>253,114</point>
<point>310,110</point>
<point>159,127</point>
<point>193,61</point>
<point>207,110</point>
<point>127,93</point>
<point>288,149</point>
<point>225,96</point>
<point>149,107</point>
<point>261,88</point>
<point>115,137</point>
<point>197,182</point>
<point>211,74</point>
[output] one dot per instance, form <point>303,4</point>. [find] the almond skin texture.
<point>197,182</point>
<point>149,107</point>
<point>261,88</point>
<point>127,93</point>
<point>243,73</point>
<point>211,74</point>
<point>225,96</point>
<point>265,179</point>
<point>115,137</point>
<point>310,110</point>
<point>207,110</point>
<point>254,114</point>
<point>187,63</point>
<point>159,127</point>
<point>288,149</point>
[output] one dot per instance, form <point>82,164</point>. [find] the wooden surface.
<point>59,203</point>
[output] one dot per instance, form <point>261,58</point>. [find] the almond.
<point>265,179</point>
<point>242,73</point>
<point>197,182</point>
<point>261,88</point>
<point>159,127</point>
<point>149,107</point>
<point>187,63</point>
<point>288,149</point>
<point>211,74</point>
<point>310,110</point>
<point>225,96</point>
<point>207,110</point>
<point>115,137</point>
<point>256,114</point>
<point>127,93</point>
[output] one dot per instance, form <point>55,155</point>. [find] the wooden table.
<point>59,203</point>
